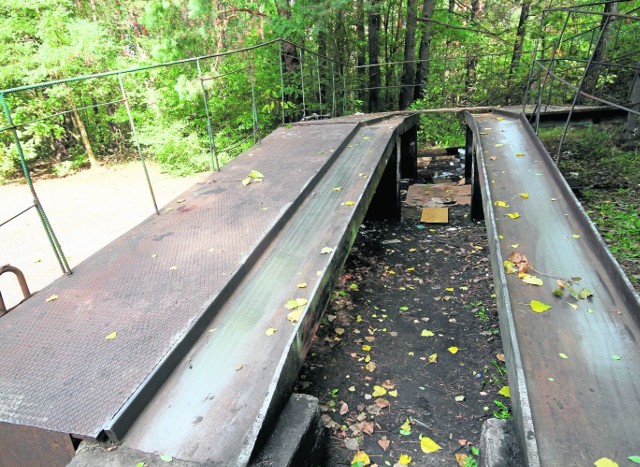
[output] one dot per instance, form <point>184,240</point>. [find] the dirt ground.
<point>87,211</point>
<point>409,348</point>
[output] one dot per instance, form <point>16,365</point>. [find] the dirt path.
<point>87,211</point>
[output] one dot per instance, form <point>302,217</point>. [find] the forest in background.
<point>352,55</point>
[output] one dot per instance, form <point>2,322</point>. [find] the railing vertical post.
<point>534,56</point>
<point>579,90</point>
<point>319,82</point>
<point>137,141</point>
<point>51,236</point>
<point>282,82</point>
<point>212,145</point>
<point>304,105</point>
<point>344,93</point>
<point>254,110</point>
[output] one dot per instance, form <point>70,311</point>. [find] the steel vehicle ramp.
<point>175,339</point>
<point>574,368</point>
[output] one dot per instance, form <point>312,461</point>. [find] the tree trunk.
<point>406,91</point>
<point>84,137</point>
<point>422,74</point>
<point>600,53</point>
<point>472,60</point>
<point>630,127</point>
<point>520,33</point>
<point>374,57</point>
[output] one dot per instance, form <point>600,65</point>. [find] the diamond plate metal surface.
<point>57,369</point>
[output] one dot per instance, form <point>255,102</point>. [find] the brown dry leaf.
<point>52,298</point>
<point>462,442</point>
<point>371,366</point>
<point>366,427</point>
<point>369,338</point>
<point>344,408</point>
<point>388,384</point>
<point>339,331</point>
<point>461,459</point>
<point>500,357</point>
<point>382,403</point>
<point>384,443</point>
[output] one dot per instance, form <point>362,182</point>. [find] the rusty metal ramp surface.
<point>188,295</point>
<point>573,369</point>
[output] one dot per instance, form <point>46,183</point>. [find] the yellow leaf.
<point>529,279</point>
<point>393,393</point>
<point>499,145</point>
<point>509,266</point>
<point>52,298</point>
<point>337,188</point>
<point>428,445</point>
<point>181,200</point>
<point>519,154</point>
<point>449,289</point>
<point>539,307</point>
<point>378,391</point>
<point>513,215</point>
<point>348,203</point>
<point>366,348</point>
<point>573,305</point>
<point>246,181</point>
<point>295,315</point>
<point>302,301</point>
<point>326,250</point>
<point>453,350</point>
<point>301,285</point>
<point>563,355</point>
<point>371,366</point>
<point>514,245</point>
<point>433,358</point>
<point>173,268</point>
<point>524,195</point>
<point>461,458</point>
<point>255,175</point>
<point>404,459</point>
<point>361,456</point>
<point>605,462</point>
<point>501,204</point>
<point>505,391</point>
<point>500,118</point>
<point>111,335</point>
<point>576,236</point>
<point>270,331</point>
<point>426,333</point>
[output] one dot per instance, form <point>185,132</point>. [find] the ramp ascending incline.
<point>574,370</point>
<point>163,333</point>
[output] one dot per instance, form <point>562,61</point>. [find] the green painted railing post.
<point>254,110</point>
<point>212,145</point>
<point>53,240</point>
<point>137,141</point>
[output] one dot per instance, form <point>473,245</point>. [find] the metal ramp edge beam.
<point>569,411</point>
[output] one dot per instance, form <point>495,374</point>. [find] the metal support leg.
<point>21,281</point>
<point>409,154</point>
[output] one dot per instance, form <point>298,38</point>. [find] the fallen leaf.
<point>514,245</point>
<point>181,200</point>
<point>453,350</point>
<point>352,389</point>
<point>302,285</point>
<point>270,331</point>
<point>500,357</point>
<point>404,459</point>
<point>584,293</point>
<point>529,279</point>
<point>433,358</point>
<point>459,398</point>
<point>352,445</point>
<point>388,384</point>
<point>605,462</point>
<point>519,154</point>
<point>295,315</point>
<point>513,215</point>
<point>337,188</point>
<point>111,335</point>
<point>563,355</point>
<point>246,181</point>
<point>326,250</point>
<point>524,195</point>
<point>576,236</point>
<point>635,459</point>
<point>505,391</point>
<point>366,348</point>
<point>348,203</point>
<point>378,391</point>
<point>493,158</point>
<point>371,366</point>
<point>254,174</point>
<point>539,307</point>
<point>382,403</point>
<point>240,367</point>
<point>52,298</point>
<point>573,305</point>
<point>428,445</point>
<point>140,464</point>
<point>426,333</point>
<point>405,428</point>
<point>344,408</point>
<point>339,331</point>
<point>166,458</point>
<point>461,459</point>
<point>393,393</point>
<point>384,443</point>
<point>499,145</point>
<point>173,268</point>
<point>501,204</point>
<point>616,357</point>
<point>509,266</point>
